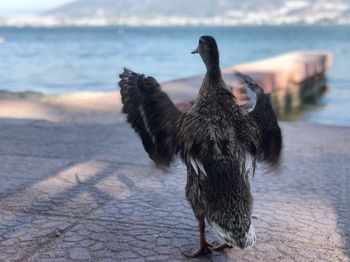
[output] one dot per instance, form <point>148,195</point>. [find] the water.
<point>62,60</point>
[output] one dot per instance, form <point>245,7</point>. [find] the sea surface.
<point>74,59</point>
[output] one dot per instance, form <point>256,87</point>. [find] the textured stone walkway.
<point>71,192</point>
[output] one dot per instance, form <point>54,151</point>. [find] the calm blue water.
<point>64,60</point>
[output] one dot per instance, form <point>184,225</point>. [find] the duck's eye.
<point>201,41</point>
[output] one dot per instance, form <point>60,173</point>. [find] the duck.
<point>218,141</point>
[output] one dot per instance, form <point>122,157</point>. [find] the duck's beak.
<point>195,51</point>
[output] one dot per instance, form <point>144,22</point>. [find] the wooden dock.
<point>291,79</point>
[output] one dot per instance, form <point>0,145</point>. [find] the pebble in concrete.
<point>79,254</point>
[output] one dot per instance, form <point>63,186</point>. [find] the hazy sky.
<point>14,7</point>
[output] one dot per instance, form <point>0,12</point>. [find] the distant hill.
<point>158,8</point>
<point>206,11</point>
<point>183,12</point>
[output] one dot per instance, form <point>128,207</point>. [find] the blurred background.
<point>63,46</point>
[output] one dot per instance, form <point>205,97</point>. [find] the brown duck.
<point>218,141</point>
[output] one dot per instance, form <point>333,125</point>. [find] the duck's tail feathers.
<point>229,237</point>
<point>229,202</point>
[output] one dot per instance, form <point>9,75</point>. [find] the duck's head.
<point>208,50</point>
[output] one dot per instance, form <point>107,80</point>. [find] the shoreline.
<point>77,108</point>
<point>94,107</point>
<point>301,80</point>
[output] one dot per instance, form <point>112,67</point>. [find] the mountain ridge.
<point>197,12</point>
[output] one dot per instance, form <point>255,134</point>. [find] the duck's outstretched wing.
<point>266,120</point>
<point>152,115</point>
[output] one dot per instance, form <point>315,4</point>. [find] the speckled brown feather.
<point>217,133</point>
<point>152,115</point>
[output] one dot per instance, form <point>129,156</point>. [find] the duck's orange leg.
<point>204,246</point>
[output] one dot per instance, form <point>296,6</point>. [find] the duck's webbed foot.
<point>221,247</point>
<point>203,249</point>
<point>204,246</point>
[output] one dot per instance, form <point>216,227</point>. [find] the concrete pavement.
<point>87,192</point>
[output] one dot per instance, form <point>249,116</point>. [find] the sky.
<point>18,7</point>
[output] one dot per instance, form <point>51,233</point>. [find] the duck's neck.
<point>211,82</point>
<point>212,64</point>
<point>213,73</point>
